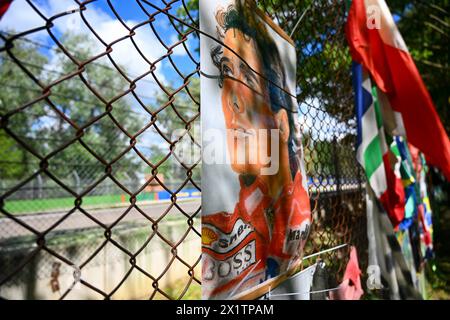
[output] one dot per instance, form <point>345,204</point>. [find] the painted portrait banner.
<point>255,207</point>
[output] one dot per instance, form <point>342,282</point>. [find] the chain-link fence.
<point>92,92</point>
<point>327,117</point>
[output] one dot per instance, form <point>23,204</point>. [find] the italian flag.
<point>374,151</point>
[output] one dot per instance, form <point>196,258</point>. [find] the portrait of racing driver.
<point>269,226</point>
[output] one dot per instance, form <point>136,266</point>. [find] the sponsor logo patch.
<point>222,242</point>
<point>208,236</point>
<point>228,269</point>
<point>295,237</point>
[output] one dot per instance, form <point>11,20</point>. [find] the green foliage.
<point>83,105</point>
<point>189,14</point>
<point>14,167</point>
<point>17,89</point>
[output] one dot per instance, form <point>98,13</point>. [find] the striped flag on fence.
<point>383,52</point>
<point>373,152</point>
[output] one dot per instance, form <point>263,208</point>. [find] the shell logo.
<point>208,236</point>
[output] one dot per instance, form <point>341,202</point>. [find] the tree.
<point>180,116</point>
<point>17,90</point>
<point>84,104</point>
<point>41,125</point>
<point>188,13</point>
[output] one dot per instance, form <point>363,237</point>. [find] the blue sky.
<point>130,10</point>
<point>22,17</point>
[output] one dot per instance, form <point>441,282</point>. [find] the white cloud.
<point>21,17</point>
<point>179,50</point>
<point>319,123</point>
<point>15,19</point>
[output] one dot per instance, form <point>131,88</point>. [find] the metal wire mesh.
<point>81,157</point>
<point>327,116</point>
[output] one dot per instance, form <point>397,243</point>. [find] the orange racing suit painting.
<point>252,65</point>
